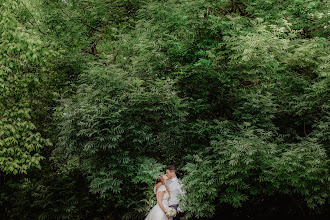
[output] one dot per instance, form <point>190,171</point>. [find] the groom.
<point>175,188</point>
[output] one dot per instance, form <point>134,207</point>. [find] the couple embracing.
<point>167,190</point>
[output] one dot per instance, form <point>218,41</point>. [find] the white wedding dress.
<point>156,212</point>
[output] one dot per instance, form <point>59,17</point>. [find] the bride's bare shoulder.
<point>161,187</point>
<point>158,185</point>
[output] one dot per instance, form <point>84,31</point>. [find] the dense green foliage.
<point>235,93</point>
<point>24,84</point>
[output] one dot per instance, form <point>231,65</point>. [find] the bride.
<point>163,194</point>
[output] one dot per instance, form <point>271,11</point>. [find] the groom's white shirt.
<point>175,189</point>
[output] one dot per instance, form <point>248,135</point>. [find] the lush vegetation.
<point>98,96</point>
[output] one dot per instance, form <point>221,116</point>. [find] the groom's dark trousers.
<point>178,215</point>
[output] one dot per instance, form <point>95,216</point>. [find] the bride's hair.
<point>161,180</point>
<point>157,181</point>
